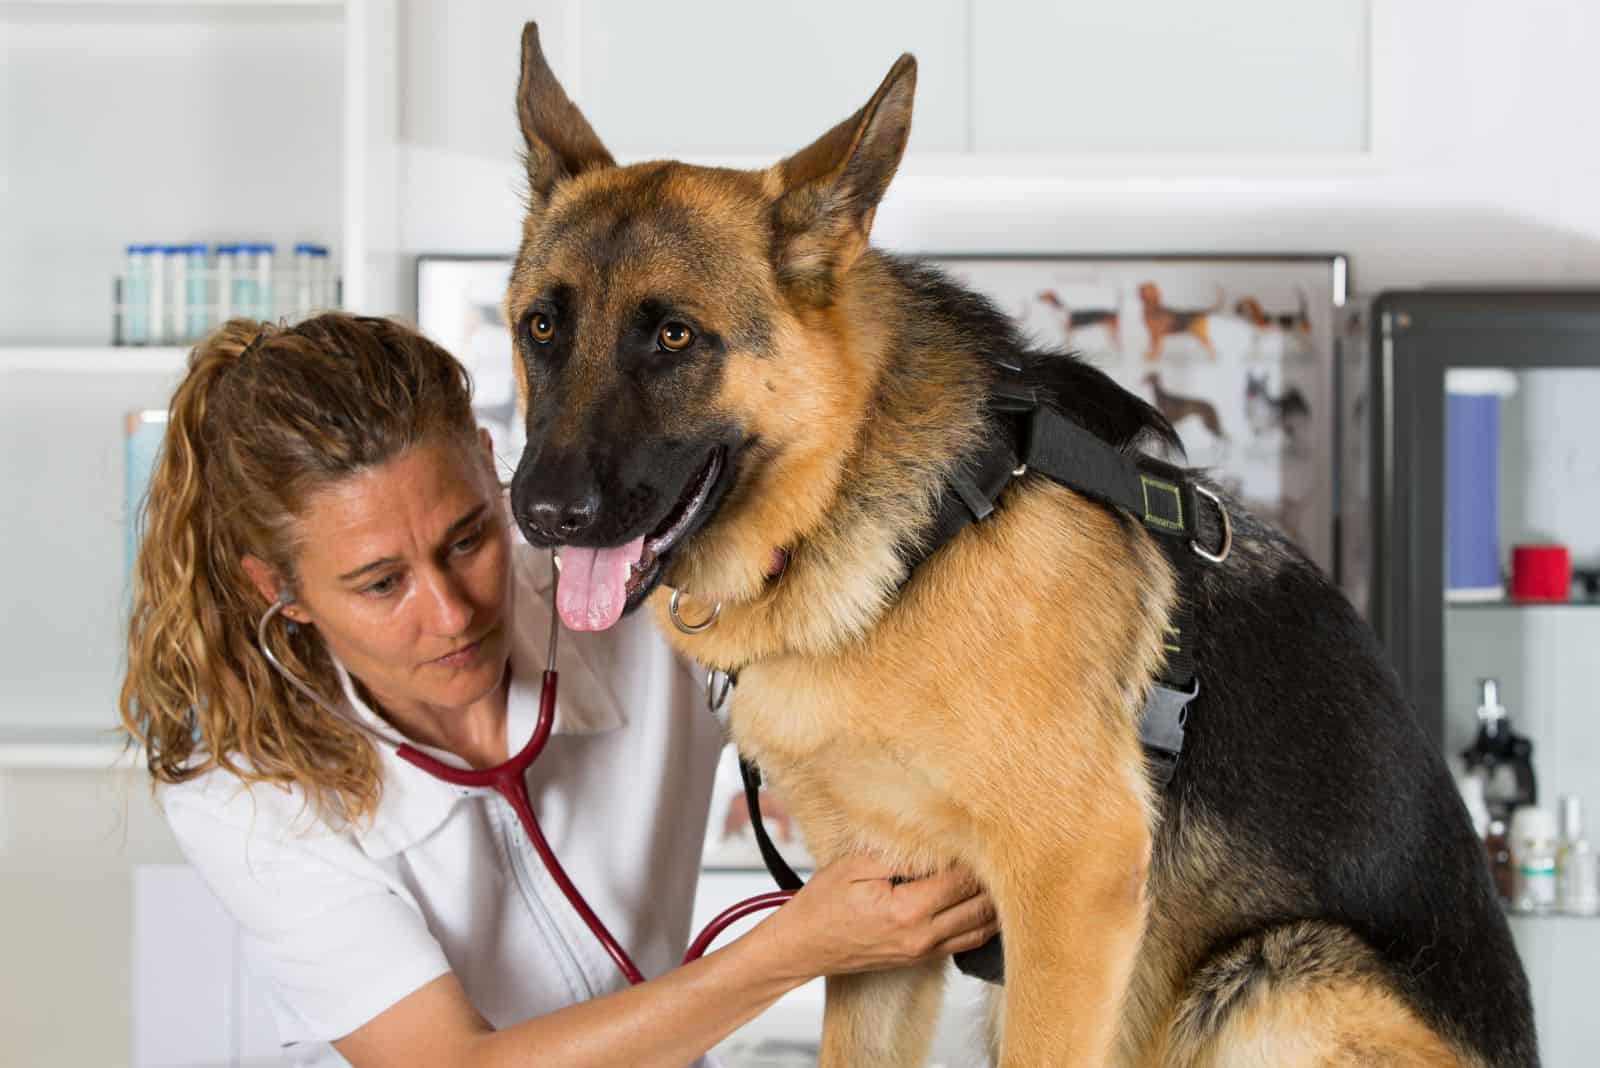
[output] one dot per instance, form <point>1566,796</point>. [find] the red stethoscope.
<point>509,780</point>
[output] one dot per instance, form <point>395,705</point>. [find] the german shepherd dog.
<point>730,393</point>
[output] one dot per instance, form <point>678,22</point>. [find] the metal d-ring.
<point>691,628</point>
<point>719,687</point>
<point>1227,529</point>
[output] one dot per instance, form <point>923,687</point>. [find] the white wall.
<point>1486,171</point>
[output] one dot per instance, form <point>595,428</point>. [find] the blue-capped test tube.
<point>196,292</point>
<point>227,267</point>
<point>136,296</point>
<point>266,305</point>
<point>311,279</point>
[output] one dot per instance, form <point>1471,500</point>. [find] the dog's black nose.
<point>562,519</point>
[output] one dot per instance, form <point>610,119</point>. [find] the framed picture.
<point>459,306</point>
<point>1238,352</point>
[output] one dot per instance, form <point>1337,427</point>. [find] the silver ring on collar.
<point>691,628</point>
<point>719,687</point>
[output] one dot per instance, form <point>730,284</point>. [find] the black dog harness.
<point>1034,438</point>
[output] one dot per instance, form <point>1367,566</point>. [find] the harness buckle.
<point>1227,529</point>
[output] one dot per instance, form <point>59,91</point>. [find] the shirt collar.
<point>414,803</point>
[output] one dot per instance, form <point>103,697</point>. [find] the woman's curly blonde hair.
<point>264,418</point>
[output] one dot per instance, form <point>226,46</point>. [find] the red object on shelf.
<point>1541,573</point>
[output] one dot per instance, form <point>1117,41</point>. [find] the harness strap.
<point>779,868</point>
<point>1033,437</point>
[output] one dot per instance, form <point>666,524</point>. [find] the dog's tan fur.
<point>923,723</point>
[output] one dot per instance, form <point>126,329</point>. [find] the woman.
<point>326,486</point>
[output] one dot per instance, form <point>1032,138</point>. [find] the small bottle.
<point>196,290</point>
<point>1505,757</point>
<point>157,304</point>
<point>175,311</point>
<point>311,279</point>
<point>1577,880</point>
<point>265,304</point>
<point>247,285</point>
<point>326,295</point>
<point>1497,845</point>
<point>227,266</point>
<point>1470,784</point>
<point>136,296</point>
<point>244,281</point>
<point>1533,848</point>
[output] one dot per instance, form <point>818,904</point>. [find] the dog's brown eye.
<point>541,328</point>
<point>675,337</point>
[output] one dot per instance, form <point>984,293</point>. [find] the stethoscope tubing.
<point>509,780</point>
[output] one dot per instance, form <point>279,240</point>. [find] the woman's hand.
<point>852,918</point>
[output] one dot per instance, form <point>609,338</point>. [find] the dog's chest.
<point>846,764</point>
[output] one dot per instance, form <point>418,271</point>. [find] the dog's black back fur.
<point>1300,751</point>
<point>1303,747</point>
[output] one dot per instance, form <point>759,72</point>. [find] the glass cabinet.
<point>1485,540</point>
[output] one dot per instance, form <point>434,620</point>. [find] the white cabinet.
<point>134,122</point>
<point>194,1002</point>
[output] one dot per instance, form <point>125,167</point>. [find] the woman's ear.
<point>486,442</point>
<point>266,581</point>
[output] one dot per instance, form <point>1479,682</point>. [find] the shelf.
<point>93,360</point>
<point>1503,605</point>
<point>78,750</point>
<point>332,5</point>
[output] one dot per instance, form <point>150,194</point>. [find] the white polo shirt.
<point>344,922</point>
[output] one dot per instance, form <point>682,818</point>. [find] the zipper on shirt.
<point>517,847</point>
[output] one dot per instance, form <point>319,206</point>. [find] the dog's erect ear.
<point>561,143</point>
<point>831,188</point>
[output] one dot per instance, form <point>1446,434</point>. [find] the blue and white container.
<point>197,319</point>
<point>245,300</point>
<point>136,296</point>
<point>227,269</point>
<point>175,308</point>
<point>1473,401</point>
<point>156,306</point>
<point>312,291</point>
<point>263,256</point>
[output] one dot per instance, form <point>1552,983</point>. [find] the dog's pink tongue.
<point>591,591</point>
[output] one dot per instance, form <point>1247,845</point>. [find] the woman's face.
<point>404,571</point>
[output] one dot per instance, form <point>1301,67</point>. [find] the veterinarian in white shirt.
<point>337,463</point>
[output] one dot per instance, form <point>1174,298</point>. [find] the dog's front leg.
<point>881,1019</point>
<point>1072,925</point>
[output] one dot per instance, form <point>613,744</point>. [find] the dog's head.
<point>679,348</point>
<point>1150,294</point>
